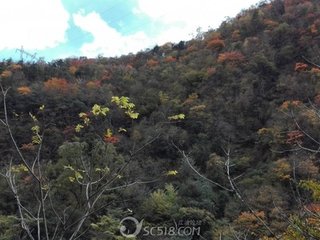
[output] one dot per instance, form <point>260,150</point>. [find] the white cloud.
<point>35,24</point>
<point>182,18</point>
<point>172,21</point>
<point>107,40</point>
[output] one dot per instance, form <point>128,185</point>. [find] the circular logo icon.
<point>130,221</point>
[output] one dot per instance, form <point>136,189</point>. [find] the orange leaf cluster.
<point>152,63</point>
<point>216,43</point>
<point>300,67</point>
<point>73,69</point>
<point>56,84</point>
<point>294,137</point>
<point>170,59</point>
<point>232,57</point>
<point>289,104</point>
<point>6,74</point>
<point>249,220</point>
<point>24,90</point>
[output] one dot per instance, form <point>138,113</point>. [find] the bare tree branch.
<point>239,195</point>
<point>310,62</point>
<point>186,158</point>
<point>24,161</point>
<point>12,184</point>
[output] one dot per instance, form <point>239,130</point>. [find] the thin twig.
<point>310,62</point>
<point>186,158</point>
<point>239,195</point>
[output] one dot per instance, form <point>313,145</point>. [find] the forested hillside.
<point>220,132</point>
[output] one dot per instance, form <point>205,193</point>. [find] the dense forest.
<point>220,133</point>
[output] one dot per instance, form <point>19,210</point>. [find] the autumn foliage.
<point>111,139</point>
<point>250,86</point>
<point>24,90</point>
<point>73,69</point>
<point>313,207</point>
<point>282,169</point>
<point>300,67</point>
<point>232,57</point>
<point>56,84</point>
<point>294,137</point>
<point>286,105</point>
<point>6,74</point>
<point>216,44</point>
<point>152,63</point>
<point>250,221</point>
<point>170,59</point>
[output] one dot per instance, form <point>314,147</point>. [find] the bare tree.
<point>232,188</point>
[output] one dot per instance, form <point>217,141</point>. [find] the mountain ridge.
<point>249,88</point>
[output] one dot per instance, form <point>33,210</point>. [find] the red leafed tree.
<point>294,137</point>
<point>111,139</point>
<point>300,67</point>
<point>233,57</point>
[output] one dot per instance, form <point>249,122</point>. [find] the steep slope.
<point>250,87</point>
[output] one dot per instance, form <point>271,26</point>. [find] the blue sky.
<point>56,29</point>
